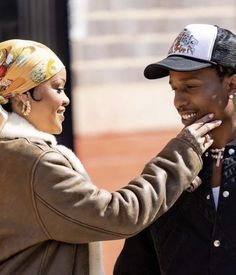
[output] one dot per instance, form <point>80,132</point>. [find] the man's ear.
<point>232,85</point>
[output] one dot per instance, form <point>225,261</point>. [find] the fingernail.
<point>211,115</point>
<point>218,121</point>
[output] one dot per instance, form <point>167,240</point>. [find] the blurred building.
<point>112,42</point>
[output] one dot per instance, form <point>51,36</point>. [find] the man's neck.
<point>223,134</point>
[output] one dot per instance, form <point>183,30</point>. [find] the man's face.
<point>198,93</point>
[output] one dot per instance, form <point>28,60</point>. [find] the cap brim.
<point>174,63</point>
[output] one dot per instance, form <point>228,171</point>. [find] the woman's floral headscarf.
<point>24,64</point>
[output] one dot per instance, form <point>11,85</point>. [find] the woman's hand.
<point>197,134</point>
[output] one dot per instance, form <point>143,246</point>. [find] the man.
<point>197,236</point>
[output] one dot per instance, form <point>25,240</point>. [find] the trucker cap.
<point>197,47</point>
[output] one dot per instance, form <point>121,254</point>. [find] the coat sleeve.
<point>72,209</point>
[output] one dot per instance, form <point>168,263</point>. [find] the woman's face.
<point>198,93</point>
<point>48,105</point>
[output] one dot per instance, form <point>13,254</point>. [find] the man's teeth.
<point>188,116</point>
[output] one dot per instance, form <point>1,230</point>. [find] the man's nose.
<point>180,99</point>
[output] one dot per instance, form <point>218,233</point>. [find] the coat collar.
<point>17,126</point>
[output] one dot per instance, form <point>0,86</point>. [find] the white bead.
<point>216,243</point>
<point>231,151</point>
<point>225,194</point>
<point>208,197</point>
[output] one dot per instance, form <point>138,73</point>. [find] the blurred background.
<point>117,120</point>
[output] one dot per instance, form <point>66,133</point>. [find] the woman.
<point>49,208</point>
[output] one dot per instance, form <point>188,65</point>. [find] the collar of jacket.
<point>17,126</point>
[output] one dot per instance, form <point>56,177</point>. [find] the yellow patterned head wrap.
<point>24,64</point>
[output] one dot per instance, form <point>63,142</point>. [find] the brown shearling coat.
<point>49,211</point>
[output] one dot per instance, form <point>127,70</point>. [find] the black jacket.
<point>192,238</point>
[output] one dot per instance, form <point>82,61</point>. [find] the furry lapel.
<point>16,127</point>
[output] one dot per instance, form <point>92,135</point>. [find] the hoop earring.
<point>26,108</point>
<point>231,96</point>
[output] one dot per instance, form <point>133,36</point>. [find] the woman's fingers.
<point>198,123</point>
<point>198,134</point>
<point>207,127</point>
